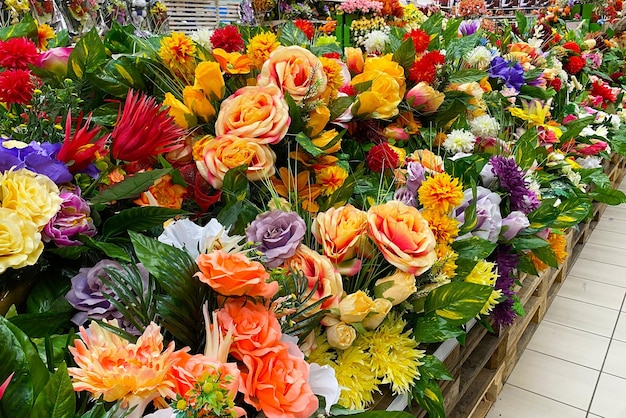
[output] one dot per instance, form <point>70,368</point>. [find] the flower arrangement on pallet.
<point>244,221</point>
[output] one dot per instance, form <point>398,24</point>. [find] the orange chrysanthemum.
<point>559,246</point>
<point>178,54</point>
<point>44,34</point>
<point>441,193</point>
<point>260,48</point>
<point>331,179</point>
<point>444,227</point>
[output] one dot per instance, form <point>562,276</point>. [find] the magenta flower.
<point>55,60</point>
<point>72,219</point>
<point>3,386</point>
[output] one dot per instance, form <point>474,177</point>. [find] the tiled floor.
<point>575,364</point>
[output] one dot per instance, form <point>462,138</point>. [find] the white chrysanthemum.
<point>459,140</point>
<point>622,115</point>
<point>590,161</point>
<point>615,121</point>
<point>375,41</point>
<point>479,57</point>
<point>485,126</point>
<point>203,38</point>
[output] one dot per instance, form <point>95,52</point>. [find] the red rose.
<point>382,156</point>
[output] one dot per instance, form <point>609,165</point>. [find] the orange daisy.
<point>441,193</point>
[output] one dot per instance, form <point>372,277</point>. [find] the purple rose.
<point>72,219</point>
<point>279,233</point>
<point>405,196</point>
<point>415,175</point>
<point>88,290</point>
<point>488,216</point>
<point>513,223</point>
<point>35,157</point>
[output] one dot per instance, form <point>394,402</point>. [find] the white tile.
<point>609,400</point>
<point>582,316</point>
<point>608,238</point>
<point>589,291</point>
<point>512,401</point>
<point>620,329</point>
<point>570,344</point>
<point>611,224</point>
<point>555,379</point>
<point>599,272</point>
<point>617,212</point>
<point>609,255</point>
<point>614,363</point>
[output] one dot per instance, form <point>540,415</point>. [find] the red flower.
<point>78,150</point>
<point>305,26</point>
<point>16,86</point>
<point>555,83</point>
<point>334,55</point>
<point>143,130</point>
<point>200,191</point>
<point>603,90</point>
<point>228,38</point>
<point>420,40</point>
<point>348,89</point>
<point>572,46</point>
<point>616,75</point>
<point>575,64</point>
<point>382,156</point>
<point>425,67</point>
<point>17,53</point>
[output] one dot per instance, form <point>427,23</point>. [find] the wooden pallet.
<point>190,15</point>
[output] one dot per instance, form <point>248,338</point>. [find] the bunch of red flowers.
<point>16,81</point>
<point>573,63</point>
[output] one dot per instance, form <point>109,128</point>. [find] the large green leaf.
<point>474,248</point>
<point>138,219</point>
<point>290,34</point>
<point>572,212</point>
<point>339,105</point>
<point>457,48</point>
<point>466,76</point>
<point>26,28</point>
<point>110,249</point>
<point>37,325</point>
<point>405,55</point>
<point>433,368</point>
<point>433,24</point>
<point>457,302</point>
<point>525,147</point>
<point>544,215</point>
<point>118,76</point>
<point>546,254</point>
<point>57,400</point>
<point>88,55</point>
<point>528,242</point>
<point>608,196</point>
<point>131,186</point>
<point>428,395</point>
<point>575,127</point>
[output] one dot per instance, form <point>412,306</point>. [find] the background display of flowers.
<point>245,220</point>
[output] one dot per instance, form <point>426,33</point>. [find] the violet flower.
<point>513,224</point>
<point>72,219</point>
<point>510,72</point>
<point>415,175</point>
<point>404,195</point>
<point>506,260</point>
<point>512,180</point>
<point>469,27</point>
<point>279,234</point>
<point>488,216</point>
<point>35,157</point>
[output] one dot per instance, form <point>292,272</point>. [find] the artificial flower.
<point>177,52</point>
<point>396,288</point>
<point>227,38</point>
<point>279,233</point>
<point>196,239</point>
<point>232,62</point>
<point>299,188</point>
<point>424,98</point>
<point>488,215</point>
<point>36,157</point>
<point>55,60</point>
<point>260,47</point>
<point>459,140</point>
<point>484,274</point>
<point>441,193</point>
<point>16,86</point>
<point>72,219</point>
<point>199,104</point>
<point>79,150</point>
<point>17,53</point>
<point>209,79</point>
<point>340,335</point>
<point>163,193</point>
<point>382,157</point>
<point>20,241</point>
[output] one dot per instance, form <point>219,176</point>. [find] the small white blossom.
<point>459,140</point>
<point>203,38</point>
<point>479,57</point>
<point>375,41</point>
<point>590,161</point>
<point>484,126</point>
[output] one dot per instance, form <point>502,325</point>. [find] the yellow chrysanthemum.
<point>447,257</point>
<point>333,72</point>
<point>44,34</point>
<point>441,193</point>
<point>484,274</point>
<point>354,361</point>
<point>178,53</point>
<point>331,179</point>
<point>444,227</point>
<point>322,354</point>
<point>260,48</point>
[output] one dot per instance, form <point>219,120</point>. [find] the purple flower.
<point>415,175</point>
<point>88,290</point>
<point>279,233</point>
<point>513,182</point>
<point>511,72</point>
<point>34,157</point>
<point>488,216</point>
<point>513,223</point>
<point>72,219</point>
<point>468,27</point>
<point>405,196</point>
<point>506,260</point>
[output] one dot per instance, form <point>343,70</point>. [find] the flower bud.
<point>55,60</point>
<point>340,336</point>
<point>355,307</point>
<point>396,288</point>
<point>382,308</point>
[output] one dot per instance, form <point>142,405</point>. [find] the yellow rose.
<point>182,115</point>
<point>259,113</point>
<point>355,307</point>
<point>215,156</point>
<point>209,79</point>
<point>318,118</point>
<point>33,196</point>
<point>387,65</point>
<point>198,103</point>
<point>296,71</point>
<point>402,236</point>
<point>397,287</point>
<point>381,100</point>
<point>323,139</point>
<point>341,335</point>
<point>354,59</point>
<point>381,309</point>
<point>20,241</point>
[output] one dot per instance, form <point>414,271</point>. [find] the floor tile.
<point>513,400</point>
<point>555,379</point>
<point>570,344</point>
<point>582,316</point>
<point>600,272</point>
<point>614,363</point>
<point>611,224</point>
<point>589,291</point>
<point>609,400</point>
<point>609,238</point>
<point>616,212</point>
<point>609,255</point>
<point>620,329</point>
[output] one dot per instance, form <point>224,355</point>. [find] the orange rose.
<point>215,156</point>
<point>188,369</point>
<point>296,71</point>
<point>276,383</point>
<point>163,193</point>
<point>256,330</point>
<point>341,231</point>
<point>321,275</point>
<point>234,275</point>
<point>403,236</point>
<point>258,113</point>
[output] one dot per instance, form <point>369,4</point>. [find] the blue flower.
<point>35,157</point>
<point>510,72</point>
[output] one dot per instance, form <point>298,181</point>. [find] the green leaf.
<point>466,76</point>
<point>433,329</point>
<point>111,250</point>
<point>608,196</point>
<point>138,219</point>
<point>306,143</point>
<point>457,302</point>
<point>575,127</point>
<point>25,28</point>
<point>290,34</point>
<point>546,254</point>
<point>595,176</point>
<point>428,395</point>
<point>452,30</point>
<point>433,24</point>
<point>37,325</point>
<point>235,191</point>
<point>533,92</point>
<point>474,248</point>
<point>457,48</point>
<point>544,215</point>
<point>73,253</point>
<point>528,242</point>
<point>525,146</point>
<point>87,56</point>
<point>522,21</point>
<point>466,168</point>
<point>433,368</point>
<point>405,55</point>
<point>572,212</point>
<point>526,265</point>
<point>339,105</point>
<point>131,186</point>
<point>57,400</point>
<point>295,113</point>
<point>62,38</point>
<point>117,77</point>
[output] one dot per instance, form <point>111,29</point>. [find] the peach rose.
<point>215,156</point>
<point>296,71</point>
<point>341,231</point>
<point>397,288</point>
<point>340,335</point>
<point>256,330</point>
<point>163,193</point>
<point>355,307</point>
<point>403,236</point>
<point>234,275</point>
<point>277,384</point>
<point>258,113</point>
<point>380,310</point>
<point>188,369</point>
<point>424,98</point>
<point>321,275</point>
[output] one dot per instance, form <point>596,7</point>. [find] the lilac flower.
<point>279,233</point>
<point>488,216</point>
<point>506,260</point>
<point>513,182</point>
<point>88,290</point>
<point>469,27</point>
<point>404,195</point>
<point>72,219</point>
<point>513,224</point>
<point>512,73</point>
<point>35,157</point>
<point>415,175</point>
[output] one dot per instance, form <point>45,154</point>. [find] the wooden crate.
<point>190,15</point>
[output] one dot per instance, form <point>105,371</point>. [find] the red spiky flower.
<point>144,130</point>
<point>78,150</point>
<point>16,86</point>
<point>17,53</point>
